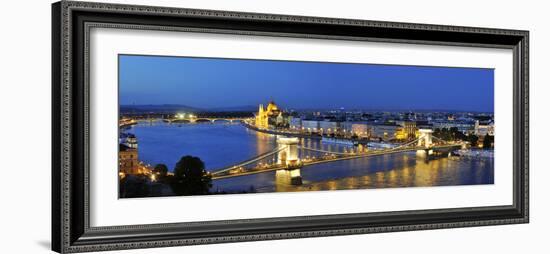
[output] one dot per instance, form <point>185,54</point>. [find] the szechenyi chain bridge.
<point>286,156</point>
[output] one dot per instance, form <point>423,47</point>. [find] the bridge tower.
<point>288,156</point>
<point>289,153</point>
<point>425,138</point>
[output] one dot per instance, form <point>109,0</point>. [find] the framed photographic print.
<point>182,126</point>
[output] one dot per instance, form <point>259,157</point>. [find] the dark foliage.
<point>488,141</point>
<point>161,170</point>
<point>190,177</point>
<point>450,134</point>
<point>472,139</point>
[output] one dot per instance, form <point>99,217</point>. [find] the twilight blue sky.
<point>216,83</point>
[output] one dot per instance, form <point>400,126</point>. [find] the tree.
<point>190,177</point>
<point>161,170</point>
<point>472,139</point>
<point>457,134</point>
<point>443,133</point>
<point>488,141</point>
<point>454,133</point>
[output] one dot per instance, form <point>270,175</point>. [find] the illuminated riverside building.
<point>385,131</point>
<point>271,117</point>
<point>261,117</point>
<point>321,127</point>
<point>482,129</point>
<point>310,125</point>
<point>128,160</point>
<point>131,141</point>
<point>408,130</point>
<point>360,129</point>
<point>329,127</point>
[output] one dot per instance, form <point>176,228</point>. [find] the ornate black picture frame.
<point>71,231</point>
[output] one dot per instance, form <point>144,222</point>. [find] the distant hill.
<point>246,108</point>
<point>168,108</point>
<point>173,108</point>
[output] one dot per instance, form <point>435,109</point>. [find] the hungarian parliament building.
<point>271,116</point>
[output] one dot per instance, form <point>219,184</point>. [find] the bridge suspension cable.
<point>322,151</point>
<point>406,144</point>
<point>249,161</point>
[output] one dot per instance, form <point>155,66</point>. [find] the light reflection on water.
<point>221,145</point>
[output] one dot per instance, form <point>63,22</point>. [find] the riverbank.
<point>126,123</point>
<point>476,153</point>
<point>299,135</point>
<point>276,132</point>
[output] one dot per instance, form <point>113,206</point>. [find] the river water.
<point>221,145</point>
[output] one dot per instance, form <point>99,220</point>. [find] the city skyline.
<point>163,80</point>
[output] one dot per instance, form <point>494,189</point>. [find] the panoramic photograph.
<point>207,126</point>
